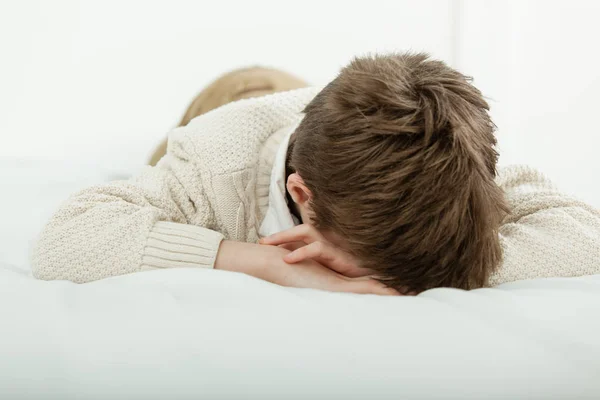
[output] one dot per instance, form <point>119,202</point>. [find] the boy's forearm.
<point>248,258</point>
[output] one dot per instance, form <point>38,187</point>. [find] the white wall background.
<point>539,62</point>
<point>102,82</point>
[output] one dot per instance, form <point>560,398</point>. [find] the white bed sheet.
<point>189,334</point>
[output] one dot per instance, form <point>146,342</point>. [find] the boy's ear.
<point>298,190</point>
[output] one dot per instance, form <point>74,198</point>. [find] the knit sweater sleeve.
<point>157,219</point>
<point>548,233</point>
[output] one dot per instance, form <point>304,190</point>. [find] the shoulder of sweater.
<point>523,178</point>
<point>529,191</point>
<point>231,138</point>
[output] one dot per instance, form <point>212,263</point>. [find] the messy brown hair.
<point>398,152</point>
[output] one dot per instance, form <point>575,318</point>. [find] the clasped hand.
<point>313,261</point>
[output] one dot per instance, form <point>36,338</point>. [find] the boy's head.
<point>397,158</point>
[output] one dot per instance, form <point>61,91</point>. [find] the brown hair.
<point>398,152</point>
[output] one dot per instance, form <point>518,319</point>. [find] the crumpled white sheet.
<point>192,333</point>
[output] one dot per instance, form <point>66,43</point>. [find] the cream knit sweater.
<point>214,184</point>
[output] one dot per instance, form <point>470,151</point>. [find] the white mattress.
<point>192,334</point>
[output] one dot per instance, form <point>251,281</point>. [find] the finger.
<point>305,233</point>
<point>330,256</point>
<point>371,287</point>
<point>311,251</point>
<point>291,246</point>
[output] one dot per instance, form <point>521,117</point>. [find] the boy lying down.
<point>383,182</point>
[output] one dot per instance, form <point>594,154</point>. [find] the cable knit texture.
<point>214,181</point>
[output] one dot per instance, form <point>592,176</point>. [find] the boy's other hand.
<point>308,243</point>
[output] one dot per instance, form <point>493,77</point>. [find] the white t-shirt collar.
<point>278,216</point>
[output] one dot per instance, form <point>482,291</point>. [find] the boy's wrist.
<point>248,258</point>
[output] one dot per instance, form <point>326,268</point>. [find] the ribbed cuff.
<point>173,245</point>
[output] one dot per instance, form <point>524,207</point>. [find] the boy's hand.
<point>266,262</point>
<point>311,274</point>
<point>313,245</point>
